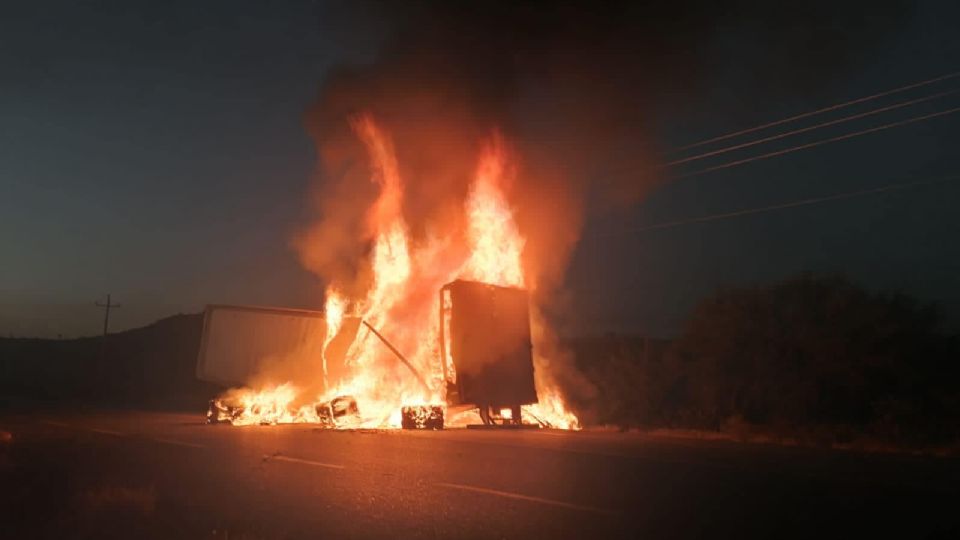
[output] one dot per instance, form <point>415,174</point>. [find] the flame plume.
<point>401,298</point>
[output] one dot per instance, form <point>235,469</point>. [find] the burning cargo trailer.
<point>240,343</point>
<point>486,349</point>
<point>485,359</point>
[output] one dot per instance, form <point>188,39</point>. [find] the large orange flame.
<point>495,244</point>
<point>400,301</point>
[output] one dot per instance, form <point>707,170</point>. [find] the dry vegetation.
<point>810,360</point>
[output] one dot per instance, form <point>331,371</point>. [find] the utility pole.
<point>106,316</point>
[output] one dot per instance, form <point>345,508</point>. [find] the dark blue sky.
<point>902,240</point>
<point>157,151</point>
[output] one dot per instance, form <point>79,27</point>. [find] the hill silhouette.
<point>149,367</point>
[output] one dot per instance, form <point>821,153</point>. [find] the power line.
<point>822,110</point>
<point>820,142</point>
<point>781,206</point>
<point>809,128</point>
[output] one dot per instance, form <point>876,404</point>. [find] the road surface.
<point>153,475</point>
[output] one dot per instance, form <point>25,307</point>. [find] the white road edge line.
<point>176,442</point>
<point>72,426</point>
<point>118,434</point>
<point>106,432</point>
<point>303,461</point>
<point>518,496</point>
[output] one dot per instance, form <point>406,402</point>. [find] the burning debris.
<point>421,417</point>
<point>338,410</point>
<point>218,412</point>
<point>341,411</point>
<point>475,350</point>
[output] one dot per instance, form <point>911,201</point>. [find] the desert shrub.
<point>810,354</point>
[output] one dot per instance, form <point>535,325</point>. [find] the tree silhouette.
<point>810,356</point>
<point>819,351</point>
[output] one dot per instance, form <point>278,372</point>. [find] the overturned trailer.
<point>238,342</point>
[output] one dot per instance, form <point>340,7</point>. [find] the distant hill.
<point>149,367</point>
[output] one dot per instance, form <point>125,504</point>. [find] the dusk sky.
<point>157,151</point>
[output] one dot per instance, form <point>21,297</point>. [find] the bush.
<point>811,354</point>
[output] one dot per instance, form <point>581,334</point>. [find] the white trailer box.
<point>241,343</point>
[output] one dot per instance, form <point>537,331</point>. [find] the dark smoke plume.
<point>572,88</point>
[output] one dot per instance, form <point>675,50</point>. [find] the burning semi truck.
<point>418,330</point>
<point>485,358</point>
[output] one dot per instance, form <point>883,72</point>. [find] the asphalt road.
<point>150,475</point>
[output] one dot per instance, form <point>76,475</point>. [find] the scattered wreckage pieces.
<point>338,409</point>
<point>421,417</point>
<point>330,414</point>
<point>219,412</point>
